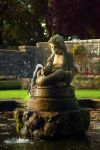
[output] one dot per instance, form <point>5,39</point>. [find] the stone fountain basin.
<point>52,124</point>
<point>8,132</point>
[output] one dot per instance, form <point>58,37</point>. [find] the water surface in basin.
<point>9,139</point>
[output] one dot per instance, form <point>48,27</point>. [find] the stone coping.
<point>84,41</point>
<point>90,103</point>
<point>73,41</point>
<point>9,105</point>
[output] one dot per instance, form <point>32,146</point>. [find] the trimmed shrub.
<point>3,78</point>
<point>10,84</point>
<point>25,82</point>
<point>79,50</point>
<point>97,82</point>
<point>86,82</point>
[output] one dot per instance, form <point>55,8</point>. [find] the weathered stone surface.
<point>12,62</point>
<point>53,92</point>
<point>19,64</point>
<point>38,133</point>
<point>55,109</point>
<point>54,124</point>
<point>53,99</point>
<point>19,120</point>
<point>51,104</point>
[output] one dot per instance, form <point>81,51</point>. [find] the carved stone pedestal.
<point>53,99</point>
<point>53,113</point>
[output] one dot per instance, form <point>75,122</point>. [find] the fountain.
<point>53,110</point>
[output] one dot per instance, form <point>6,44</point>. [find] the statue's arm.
<point>48,67</point>
<point>50,59</point>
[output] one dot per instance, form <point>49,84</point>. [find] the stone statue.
<point>60,65</point>
<point>53,110</point>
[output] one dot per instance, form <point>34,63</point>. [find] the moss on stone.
<point>53,124</point>
<point>18,115</point>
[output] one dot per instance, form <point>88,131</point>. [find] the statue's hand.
<point>69,72</point>
<point>42,71</point>
<point>39,73</point>
<point>47,70</point>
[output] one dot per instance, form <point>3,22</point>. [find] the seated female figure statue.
<point>60,66</point>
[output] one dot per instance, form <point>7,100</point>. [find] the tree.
<point>21,21</point>
<point>74,17</point>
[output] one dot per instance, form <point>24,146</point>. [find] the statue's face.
<point>56,50</point>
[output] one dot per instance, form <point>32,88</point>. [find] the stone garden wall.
<point>19,63</point>
<point>22,62</point>
<point>90,64</point>
<point>93,51</point>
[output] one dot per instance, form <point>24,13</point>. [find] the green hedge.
<point>86,82</point>
<point>8,85</point>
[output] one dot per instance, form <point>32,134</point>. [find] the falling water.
<point>38,66</point>
<point>16,141</point>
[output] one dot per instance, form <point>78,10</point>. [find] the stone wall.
<point>91,63</point>
<point>19,63</point>
<point>92,45</point>
<point>22,62</point>
<point>93,50</point>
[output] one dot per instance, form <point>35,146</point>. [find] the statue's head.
<point>57,44</point>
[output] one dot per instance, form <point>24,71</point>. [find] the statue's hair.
<point>58,41</point>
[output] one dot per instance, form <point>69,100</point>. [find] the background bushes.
<point>79,82</point>
<point>86,82</point>
<point>25,82</point>
<point>10,84</point>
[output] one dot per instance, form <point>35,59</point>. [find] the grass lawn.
<point>95,94</point>
<point>22,94</point>
<point>13,94</point>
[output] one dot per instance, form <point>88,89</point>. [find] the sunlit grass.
<point>23,95</point>
<point>88,93</point>
<point>14,94</point>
